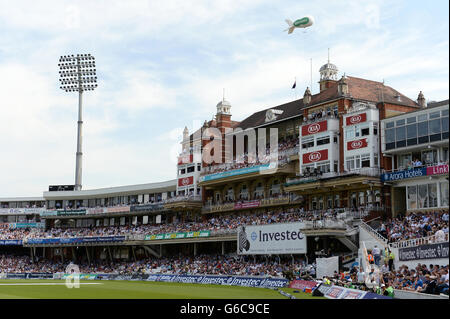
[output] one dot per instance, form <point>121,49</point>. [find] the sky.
<point>163,65</point>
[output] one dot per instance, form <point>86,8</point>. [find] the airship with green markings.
<point>299,23</point>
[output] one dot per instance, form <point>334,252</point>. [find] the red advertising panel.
<point>185,159</point>
<point>354,145</point>
<point>356,119</point>
<point>314,128</point>
<point>315,156</point>
<point>302,284</point>
<point>436,170</point>
<point>247,204</point>
<point>185,181</point>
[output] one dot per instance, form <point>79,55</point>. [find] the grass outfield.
<point>94,289</point>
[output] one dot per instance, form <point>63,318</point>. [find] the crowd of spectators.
<point>250,160</point>
<point>200,265</point>
<point>416,225</point>
<point>222,222</point>
<point>320,114</point>
<point>423,279</point>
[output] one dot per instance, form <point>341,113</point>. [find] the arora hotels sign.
<point>415,172</point>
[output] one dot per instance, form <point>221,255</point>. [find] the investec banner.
<point>192,234</point>
<point>272,239</point>
<point>222,280</point>
<point>431,251</point>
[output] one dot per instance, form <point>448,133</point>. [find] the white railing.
<point>375,234</point>
<point>418,241</point>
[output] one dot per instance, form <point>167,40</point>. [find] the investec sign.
<point>272,239</point>
<point>314,128</point>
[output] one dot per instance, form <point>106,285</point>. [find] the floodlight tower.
<point>77,74</point>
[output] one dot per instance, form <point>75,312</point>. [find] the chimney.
<point>343,86</point>
<point>421,100</point>
<point>307,96</point>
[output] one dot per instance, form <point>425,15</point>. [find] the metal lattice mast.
<point>78,73</point>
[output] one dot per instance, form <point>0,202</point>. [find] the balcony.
<point>315,176</point>
<point>249,204</point>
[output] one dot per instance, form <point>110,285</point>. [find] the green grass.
<point>131,290</point>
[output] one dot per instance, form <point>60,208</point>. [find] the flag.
<point>295,84</point>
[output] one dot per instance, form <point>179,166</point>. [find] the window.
<point>324,167</point>
<point>404,160</point>
<point>400,133</point>
<point>336,166</point>
<point>182,171</point>
<point>330,202</point>
<point>199,168</point>
<point>361,198</point>
<point>435,126</point>
<point>444,124</point>
<point>444,194</point>
<point>375,160</point>
<point>444,153</point>
<point>349,133</point>
<point>412,197</point>
<point>429,157</point>
<point>314,203</point>
<point>411,131</point>
<point>365,131</point>
<point>375,129</point>
<point>335,139</point>
<point>365,160</point>
<point>432,195</point>
<point>390,136</point>
<point>435,115</point>
<point>410,120</point>
<point>389,124</point>
<point>422,117</point>
<point>321,202</point>
<point>191,169</point>
<point>307,142</point>
<point>336,201</point>
<point>400,122</point>
<point>422,196</point>
<point>350,163</point>
<point>323,140</point>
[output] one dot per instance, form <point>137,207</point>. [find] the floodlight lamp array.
<point>77,73</point>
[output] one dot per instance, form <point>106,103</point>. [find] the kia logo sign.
<point>357,144</point>
<point>185,181</point>
<point>355,119</point>
<point>313,128</point>
<point>314,157</point>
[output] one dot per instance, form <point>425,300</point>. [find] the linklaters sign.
<point>430,251</point>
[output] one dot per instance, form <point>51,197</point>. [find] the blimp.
<point>299,23</point>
